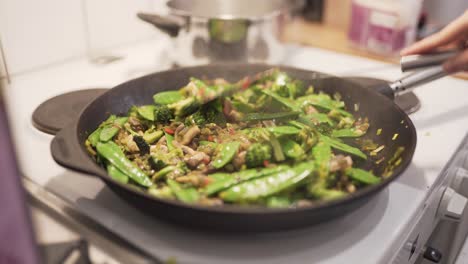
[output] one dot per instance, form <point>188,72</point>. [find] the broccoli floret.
<point>162,114</point>
<point>185,107</point>
<point>197,118</point>
<point>142,145</point>
<point>257,154</point>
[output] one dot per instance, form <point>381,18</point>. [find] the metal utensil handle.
<point>413,62</point>
<point>413,80</point>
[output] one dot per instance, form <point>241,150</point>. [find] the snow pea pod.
<point>167,97</point>
<point>320,118</point>
<point>278,202</point>
<point>284,101</point>
<point>226,180</point>
<point>147,112</point>
<point>320,100</point>
<point>322,155</point>
<point>169,139</point>
<point>320,192</point>
<point>268,185</point>
<point>151,136</point>
<point>343,147</point>
<point>362,176</point>
<point>116,174</point>
<point>269,116</point>
<point>110,130</point>
<point>94,137</point>
<point>187,195</point>
<point>347,132</point>
<point>284,130</point>
<point>291,149</point>
<point>113,154</point>
<point>226,154</point>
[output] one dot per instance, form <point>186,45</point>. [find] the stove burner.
<point>53,114</point>
<point>408,102</point>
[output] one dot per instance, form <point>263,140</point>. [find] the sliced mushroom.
<point>340,163</point>
<point>191,133</point>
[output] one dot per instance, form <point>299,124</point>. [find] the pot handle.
<point>68,153</point>
<point>171,25</point>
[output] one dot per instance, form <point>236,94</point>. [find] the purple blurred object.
<point>17,244</point>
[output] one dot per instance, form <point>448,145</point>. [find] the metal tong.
<point>428,68</point>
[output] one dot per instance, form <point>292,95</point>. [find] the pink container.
<point>384,26</point>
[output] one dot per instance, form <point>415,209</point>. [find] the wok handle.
<point>170,25</point>
<point>413,80</point>
<point>67,152</point>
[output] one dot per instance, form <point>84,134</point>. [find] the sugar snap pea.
<point>110,130</point>
<point>226,154</point>
<point>268,185</point>
<point>113,154</point>
<point>187,195</point>
<point>284,130</point>
<point>167,97</point>
<point>226,180</point>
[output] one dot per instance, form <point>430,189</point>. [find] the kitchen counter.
<point>334,38</point>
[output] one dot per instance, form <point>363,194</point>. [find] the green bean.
<point>362,176</point>
<point>110,130</point>
<point>347,132</point>
<point>226,154</point>
<point>147,112</point>
<point>187,195</point>
<point>343,147</point>
<point>116,174</point>
<point>226,180</point>
<point>167,97</point>
<point>268,185</point>
<point>269,116</point>
<point>113,154</point>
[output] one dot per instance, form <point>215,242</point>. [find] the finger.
<point>459,63</point>
<point>450,33</point>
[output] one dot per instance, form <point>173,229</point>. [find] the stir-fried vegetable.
<point>267,140</point>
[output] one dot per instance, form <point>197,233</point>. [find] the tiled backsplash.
<point>40,33</point>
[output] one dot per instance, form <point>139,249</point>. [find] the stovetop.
<point>371,234</point>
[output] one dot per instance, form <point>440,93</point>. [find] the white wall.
<point>36,34</point>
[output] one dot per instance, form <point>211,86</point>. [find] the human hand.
<point>454,34</point>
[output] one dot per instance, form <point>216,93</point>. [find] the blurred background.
<point>42,33</point>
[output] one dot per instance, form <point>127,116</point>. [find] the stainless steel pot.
<point>206,31</point>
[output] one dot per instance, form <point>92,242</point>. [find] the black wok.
<point>69,151</point>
